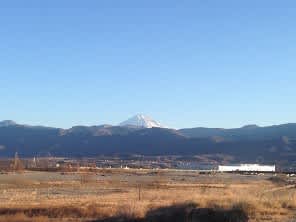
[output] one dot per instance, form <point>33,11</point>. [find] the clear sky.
<point>184,63</point>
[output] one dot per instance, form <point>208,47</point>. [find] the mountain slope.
<point>250,132</point>
<point>7,123</point>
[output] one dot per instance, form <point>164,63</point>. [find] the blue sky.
<point>184,63</point>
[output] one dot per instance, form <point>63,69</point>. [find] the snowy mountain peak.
<point>141,121</point>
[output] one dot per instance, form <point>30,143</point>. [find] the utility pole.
<point>139,192</point>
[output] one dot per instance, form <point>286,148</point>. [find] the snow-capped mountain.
<point>141,121</point>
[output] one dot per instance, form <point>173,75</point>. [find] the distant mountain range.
<point>143,135</point>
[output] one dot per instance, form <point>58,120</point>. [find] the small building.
<point>246,168</point>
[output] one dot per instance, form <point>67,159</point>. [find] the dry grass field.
<point>145,195</point>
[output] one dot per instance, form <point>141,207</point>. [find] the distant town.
<point>134,162</point>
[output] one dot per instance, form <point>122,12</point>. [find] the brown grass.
<point>115,194</point>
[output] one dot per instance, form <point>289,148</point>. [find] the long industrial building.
<point>246,168</point>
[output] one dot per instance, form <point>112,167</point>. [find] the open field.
<point>142,195</point>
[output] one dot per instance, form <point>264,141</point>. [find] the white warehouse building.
<point>247,168</point>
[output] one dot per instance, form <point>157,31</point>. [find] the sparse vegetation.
<point>113,194</point>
